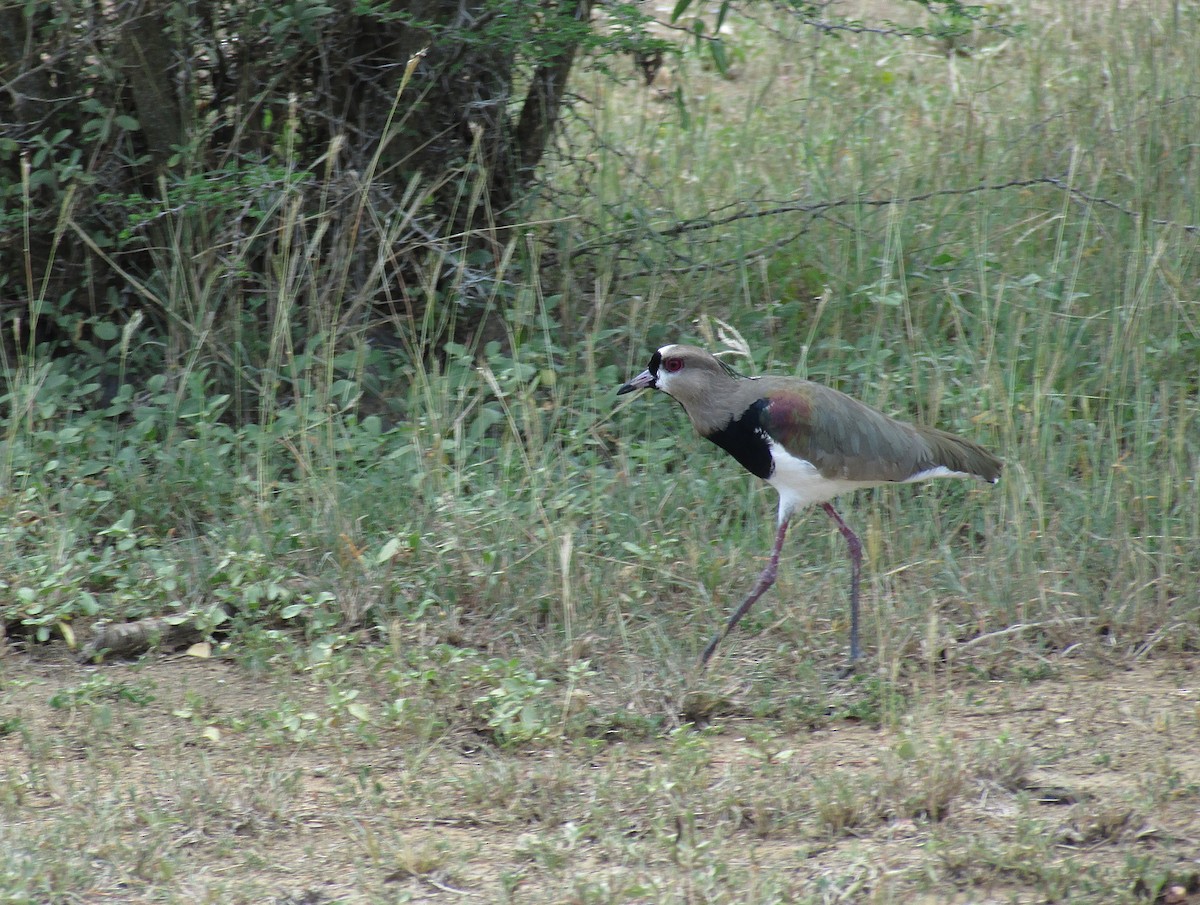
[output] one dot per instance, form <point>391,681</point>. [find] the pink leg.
<point>765,580</point>
<point>855,546</point>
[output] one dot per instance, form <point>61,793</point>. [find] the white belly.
<point>800,484</point>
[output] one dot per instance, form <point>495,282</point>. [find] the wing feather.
<point>846,440</point>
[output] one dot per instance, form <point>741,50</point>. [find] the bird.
<point>808,441</point>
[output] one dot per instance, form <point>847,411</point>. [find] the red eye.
<point>673,364</point>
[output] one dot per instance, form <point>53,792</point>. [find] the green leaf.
<point>389,551</point>
<point>680,8</point>
<point>717,49</point>
<point>721,14</point>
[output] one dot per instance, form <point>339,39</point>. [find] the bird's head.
<point>686,373</point>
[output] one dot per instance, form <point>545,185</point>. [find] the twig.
<point>1078,195</point>
<point>821,209</point>
<point>1154,640</point>
<point>127,639</point>
<point>444,888</point>
<point>1005,711</point>
<point>1020,627</point>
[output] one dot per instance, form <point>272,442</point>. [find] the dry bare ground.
<point>188,779</point>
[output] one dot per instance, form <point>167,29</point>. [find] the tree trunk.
<point>145,49</point>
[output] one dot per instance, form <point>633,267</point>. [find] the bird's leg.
<point>765,580</point>
<point>855,546</point>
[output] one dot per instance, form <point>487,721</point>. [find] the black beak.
<point>643,380</point>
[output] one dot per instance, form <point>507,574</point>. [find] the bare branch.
<point>823,209</point>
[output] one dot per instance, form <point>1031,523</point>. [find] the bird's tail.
<point>961,456</point>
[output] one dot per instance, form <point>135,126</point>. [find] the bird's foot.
<point>852,668</point>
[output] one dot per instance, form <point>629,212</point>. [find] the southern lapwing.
<point>807,441</point>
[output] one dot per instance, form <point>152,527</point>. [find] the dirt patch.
<point>180,778</point>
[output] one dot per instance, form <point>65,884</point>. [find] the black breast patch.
<point>746,440</point>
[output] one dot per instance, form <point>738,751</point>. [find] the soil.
<point>180,777</point>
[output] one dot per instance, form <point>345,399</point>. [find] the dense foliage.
<point>155,152</point>
<point>173,169</point>
<point>286,463</point>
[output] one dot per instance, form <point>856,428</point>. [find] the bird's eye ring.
<point>673,365</point>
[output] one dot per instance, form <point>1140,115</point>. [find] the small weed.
<point>1024,854</point>
<point>553,852</point>
<point>874,701</point>
<point>1004,761</point>
<point>290,723</point>
<point>539,793</point>
<point>1041,672</point>
<point>922,778</point>
<point>1100,821</point>
<point>518,706</point>
<point>418,860</point>
<point>843,801</point>
<point>101,687</point>
<point>1163,782</point>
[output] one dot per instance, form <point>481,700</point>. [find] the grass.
<point>458,598</point>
